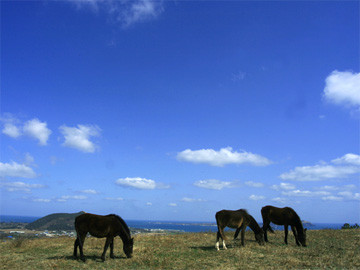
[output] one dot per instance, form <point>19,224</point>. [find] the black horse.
<point>102,226</point>
<point>238,220</point>
<point>283,216</point>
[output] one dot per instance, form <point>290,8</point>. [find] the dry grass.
<point>337,249</point>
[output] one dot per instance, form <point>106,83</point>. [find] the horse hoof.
<point>83,259</point>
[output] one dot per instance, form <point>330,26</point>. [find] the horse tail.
<point>220,230</point>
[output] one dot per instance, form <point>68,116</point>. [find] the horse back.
<point>279,216</point>
<point>231,219</point>
<point>96,225</point>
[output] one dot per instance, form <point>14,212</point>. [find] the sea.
<point>177,226</point>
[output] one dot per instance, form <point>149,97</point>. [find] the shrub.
<point>348,226</point>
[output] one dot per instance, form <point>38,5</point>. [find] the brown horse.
<point>283,216</point>
<point>102,226</point>
<point>238,220</point>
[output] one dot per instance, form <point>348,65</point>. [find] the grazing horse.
<point>102,226</point>
<point>238,220</point>
<point>283,216</point>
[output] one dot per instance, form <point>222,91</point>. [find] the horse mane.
<point>124,225</point>
<point>298,221</point>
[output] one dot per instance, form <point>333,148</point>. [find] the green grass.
<point>327,249</point>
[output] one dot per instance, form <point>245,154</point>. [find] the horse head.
<point>259,237</point>
<point>128,247</point>
<point>302,238</point>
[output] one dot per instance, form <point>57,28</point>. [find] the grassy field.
<point>337,249</point>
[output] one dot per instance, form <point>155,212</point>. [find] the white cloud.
<point>239,76</point>
<point>214,184</point>
<point>283,186</point>
<point>19,186</point>
<point>279,200</point>
<point>305,193</point>
<point>67,197</point>
<point>14,169</point>
<point>42,200</point>
<point>254,184</point>
<point>256,197</point>
<point>343,88</point>
<point>38,130</point>
<point>140,183</point>
<point>114,199</point>
<point>348,159</point>
<point>149,204</point>
<point>340,168</point>
<point>172,204</point>
<point>90,191</point>
<point>11,130</point>
<point>79,137</point>
<point>332,198</point>
<point>222,157</point>
<point>126,13</point>
<point>191,200</point>
<point>348,195</point>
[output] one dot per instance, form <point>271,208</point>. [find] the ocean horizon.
<point>180,226</point>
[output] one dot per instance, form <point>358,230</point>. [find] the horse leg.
<point>112,249</point>
<point>286,233</point>
<point>76,244</point>
<point>295,235</point>
<point>223,237</point>
<point>243,235</point>
<point>107,243</point>
<point>217,241</point>
<point>266,225</point>
<point>237,232</point>
<point>81,238</point>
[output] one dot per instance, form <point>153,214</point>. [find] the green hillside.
<point>54,222</point>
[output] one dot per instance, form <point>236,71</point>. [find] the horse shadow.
<point>90,257</point>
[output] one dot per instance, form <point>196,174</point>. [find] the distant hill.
<point>54,222</point>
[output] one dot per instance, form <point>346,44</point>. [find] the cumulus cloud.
<point>343,88</point>
<point>256,197</point>
<point>279,200</point>
<point>38,130</point>
<point>89,191</point>
<point>348,159</point>
<point>348,195</point>
<point>214,184</point>
<point>341,168</point>
<point>14,169</point>
<point>11,130</point>
<point>222,157</point>
<point>79,137</point>
<point>140,183</point>
<point>67,197</point>
<point>114,199</point>
<point>305,193</point>
<point>19,186</point>
<point>254,184</point>
<point>283,186</point>
<point>191,200</point>
<point>332,198</point>
<point>126,13</point>
<point>42,200</point>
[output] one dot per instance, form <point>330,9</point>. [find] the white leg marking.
<point>217,245</point>
<point>224,246</point>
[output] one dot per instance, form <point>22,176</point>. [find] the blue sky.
<point>173,110</point>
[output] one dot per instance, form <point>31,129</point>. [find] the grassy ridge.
<point>326,249</point>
